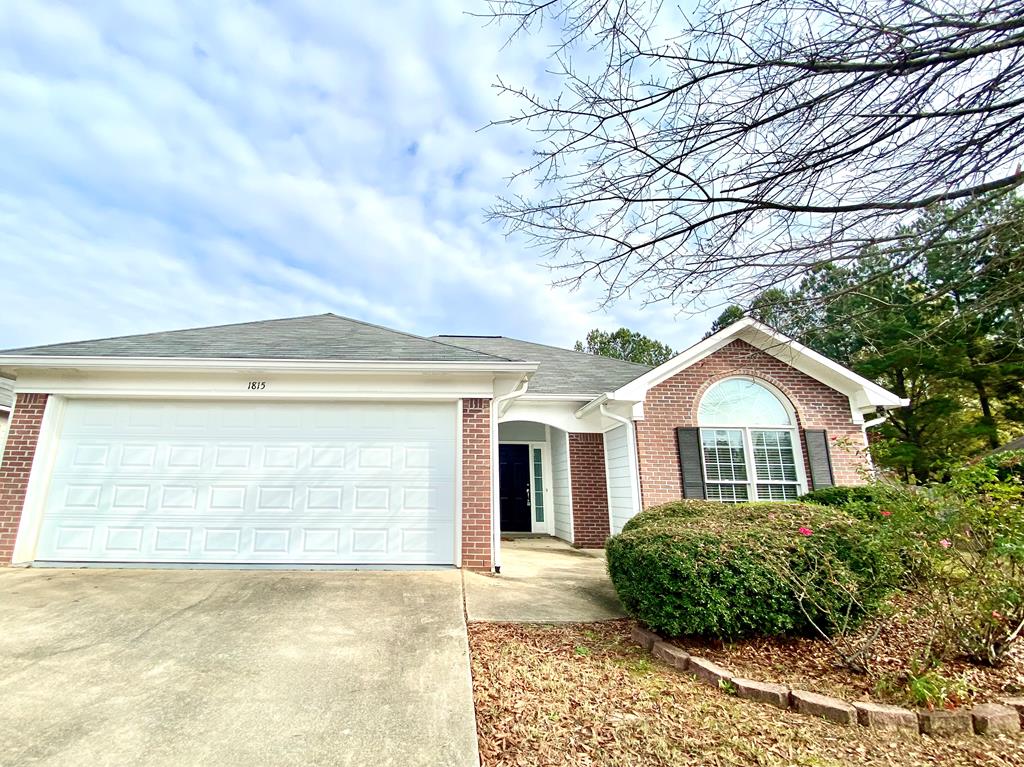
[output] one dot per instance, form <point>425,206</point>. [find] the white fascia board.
<point>593,404</point>
<point>820,367</point>
<point>772,342</point>
<point>272,384</point>
<point>291,366</point>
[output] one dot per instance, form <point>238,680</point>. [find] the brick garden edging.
<point>984,719</point>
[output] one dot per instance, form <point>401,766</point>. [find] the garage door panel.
<point>250,543</point>
<point>255,459</point>
<point>298,501</point>
<point>128,487</point>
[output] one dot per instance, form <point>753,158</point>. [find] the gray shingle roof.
<point>317,337</point>
<point>561,371</point>
<point>6,393</point>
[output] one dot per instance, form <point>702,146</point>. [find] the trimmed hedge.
<point>714,570</point>
<point>673,510</point>
<point>841,495</point>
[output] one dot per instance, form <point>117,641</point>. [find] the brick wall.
<point>673,403</point>
<point>476,484</point>
<point>589,490</point>
<point>22,436</point>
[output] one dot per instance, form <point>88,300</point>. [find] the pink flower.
<point>998,615</point>
<point>944,543</point>
<point>886,513</point>
<point>805,531</point>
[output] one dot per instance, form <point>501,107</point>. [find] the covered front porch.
<point>578,487</point>
<point>561,469</point>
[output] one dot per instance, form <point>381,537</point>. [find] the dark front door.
<point>514,487</point>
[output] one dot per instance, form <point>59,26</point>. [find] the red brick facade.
<point>674,402</point>
<point>22,436</point>
<point>476,484</point>
<point>589,490</point>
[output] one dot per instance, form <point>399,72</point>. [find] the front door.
<point>514,487</point>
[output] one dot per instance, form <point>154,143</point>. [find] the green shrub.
<point>673,510</point>
<point>995,468</point>
<point>974,563</point>
<point>840,495</point>
<point>728,571</point>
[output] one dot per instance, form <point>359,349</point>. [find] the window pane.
<point>538,483</point>
<point>773,455</point>
<point>777,492</point>
<point>741,402</point>
<point>727,493</point>
<point>723,455</point>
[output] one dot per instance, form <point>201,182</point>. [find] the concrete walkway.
<point>543,580</point>
<point>204,667</point>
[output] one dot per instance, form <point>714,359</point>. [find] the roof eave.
<point>764,338</point>
<point>171,364</point>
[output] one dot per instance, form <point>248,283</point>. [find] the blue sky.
<point>170,164</point>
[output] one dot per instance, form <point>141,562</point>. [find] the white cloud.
<point>171,164</point>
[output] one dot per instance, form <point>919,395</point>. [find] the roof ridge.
<point>413,335</point>
<point>165,332</point>
<point>563,349</point>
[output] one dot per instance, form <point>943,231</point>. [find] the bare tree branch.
<point>759,138</point>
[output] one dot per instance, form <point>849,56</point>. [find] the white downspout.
<point>499,406</point>
<point>864,430</point>
<point>631,456</point>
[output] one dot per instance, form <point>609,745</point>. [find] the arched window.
<point>749,443</point>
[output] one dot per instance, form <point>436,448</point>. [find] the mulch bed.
<point>584,696</point>
<point>810,664</point>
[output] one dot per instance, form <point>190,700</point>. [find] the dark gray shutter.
<point>819,459</point>
<point>691,458</point>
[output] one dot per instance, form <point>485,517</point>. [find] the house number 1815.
<point>257,385</point>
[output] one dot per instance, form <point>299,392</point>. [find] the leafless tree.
<point>732,149</point>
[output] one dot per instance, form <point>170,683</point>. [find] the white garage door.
<point>243,482</point>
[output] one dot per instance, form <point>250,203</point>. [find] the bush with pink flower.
<point>961,544</point>
<point>715,570</point>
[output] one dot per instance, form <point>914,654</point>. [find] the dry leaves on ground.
<point>584,696</point>
<point>904,633</point>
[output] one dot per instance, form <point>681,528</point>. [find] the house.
<point>6,403</point>
<point>324,440</point>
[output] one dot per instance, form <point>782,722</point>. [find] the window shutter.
<point>692,461</point>
<point>819,459</point>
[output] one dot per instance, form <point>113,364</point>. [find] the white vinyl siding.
<point>560,485</point>
<point>621,494</point>
<point>252,482</point>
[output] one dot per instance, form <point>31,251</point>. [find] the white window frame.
<point>748,444</point>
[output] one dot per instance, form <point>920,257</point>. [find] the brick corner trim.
<point>476,485</point>
<point>1005,717</point>
<point>22,438</point>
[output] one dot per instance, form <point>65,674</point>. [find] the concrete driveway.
<point>208,667</point>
